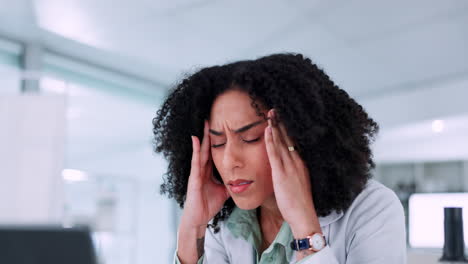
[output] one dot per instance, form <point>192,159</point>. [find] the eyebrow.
<point>240,130</point>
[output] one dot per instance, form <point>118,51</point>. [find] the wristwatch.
<point>314,242</point>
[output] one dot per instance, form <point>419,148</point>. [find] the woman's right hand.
<point>205,197</point>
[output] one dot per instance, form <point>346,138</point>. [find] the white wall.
<point>155,225</point>
<point>32,138</point>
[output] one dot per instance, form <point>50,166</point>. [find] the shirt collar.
<point>244,224</point>
<point>330,218</point>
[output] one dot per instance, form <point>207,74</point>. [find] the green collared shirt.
<point>244,224</point>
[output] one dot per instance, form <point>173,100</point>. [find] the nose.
<point>232,156</point>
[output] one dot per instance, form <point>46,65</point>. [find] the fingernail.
<point>273,117</point>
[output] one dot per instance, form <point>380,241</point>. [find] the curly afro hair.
<point>332,131</point>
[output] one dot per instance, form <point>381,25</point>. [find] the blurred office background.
<point>80,81</point>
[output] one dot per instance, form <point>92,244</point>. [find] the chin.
<point>246,204</point>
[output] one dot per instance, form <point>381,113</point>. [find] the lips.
<point>237,182</point>
<point>239,185</point>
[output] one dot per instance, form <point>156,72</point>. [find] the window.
<point>111,176</point>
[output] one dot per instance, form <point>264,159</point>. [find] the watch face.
<point>317,242</point>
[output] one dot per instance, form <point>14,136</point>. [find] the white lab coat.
<point>371,231</point>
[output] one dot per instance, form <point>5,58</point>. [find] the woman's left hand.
<point>291,180</point>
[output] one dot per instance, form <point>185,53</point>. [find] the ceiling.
<point>437,140</point>
<point>370,48</point>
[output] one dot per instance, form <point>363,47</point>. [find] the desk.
<point>420,257</point>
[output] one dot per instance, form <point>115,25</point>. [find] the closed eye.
<point>250,141</point>
<point>217,145</point>
<point>246,141</point>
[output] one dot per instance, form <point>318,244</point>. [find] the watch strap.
<point>300,244</point>
<point>304,243</point>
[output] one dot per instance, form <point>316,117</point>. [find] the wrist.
<point>190,230</point>
<point>305,230</point>
<point>306,225</point>
<point>190,243</point>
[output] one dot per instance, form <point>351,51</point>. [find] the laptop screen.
<point>46,245</point>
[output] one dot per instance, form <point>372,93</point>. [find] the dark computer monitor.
<point>46,245</point>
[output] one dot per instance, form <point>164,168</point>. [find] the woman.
<point>271,162</point>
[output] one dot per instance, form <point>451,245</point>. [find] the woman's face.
<point>238,149</point>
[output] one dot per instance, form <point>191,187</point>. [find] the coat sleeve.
<point>325,255</point>
<point>376,232</point>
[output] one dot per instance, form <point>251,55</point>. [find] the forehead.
<point>234,108</point>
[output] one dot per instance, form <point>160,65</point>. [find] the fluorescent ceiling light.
<point>438,126</point>
<point>74,175</point>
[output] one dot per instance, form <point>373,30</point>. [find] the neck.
<point>270,214</point>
